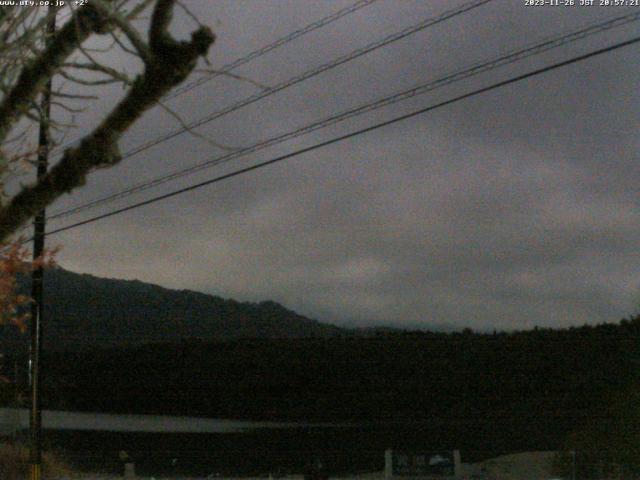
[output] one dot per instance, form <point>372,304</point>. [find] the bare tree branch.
<point>168,64</point>
<point>192,131</point>
<point>97,67</point>
<point>35,75</point>
<point>123,24</point>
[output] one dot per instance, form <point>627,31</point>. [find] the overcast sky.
<point>515,208</point>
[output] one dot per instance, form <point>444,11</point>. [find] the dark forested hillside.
<point>528,387</point>
<point>84,311</point>
<point>130,347</point>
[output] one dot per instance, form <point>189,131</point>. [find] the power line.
<point>262,51</point>
<point>340,138</point>
<point>310,74</point>
<point>272,46</point>
<point>475,69</point>
<point>293,81</point>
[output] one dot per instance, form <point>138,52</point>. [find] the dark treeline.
<point>503,391</point>
<point>552,373</point>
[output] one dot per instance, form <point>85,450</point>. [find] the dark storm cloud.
<point>512,209</point>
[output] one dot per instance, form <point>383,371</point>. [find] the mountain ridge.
<point>86,311</point>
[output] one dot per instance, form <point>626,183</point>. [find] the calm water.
<point>263,452</point>
<point>239,448</point>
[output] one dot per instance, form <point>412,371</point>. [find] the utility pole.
<point>35,352</point>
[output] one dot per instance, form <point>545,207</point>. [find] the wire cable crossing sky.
<point>459,75</point>
<point>263,51</point>
<point>351,135</point>
<point>312,73</point>
<point>514,208</point>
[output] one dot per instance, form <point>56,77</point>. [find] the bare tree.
<point>28,62</point>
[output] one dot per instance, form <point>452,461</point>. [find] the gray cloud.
<point>513,209</point>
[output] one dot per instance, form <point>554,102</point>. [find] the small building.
<point>409,465</point>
